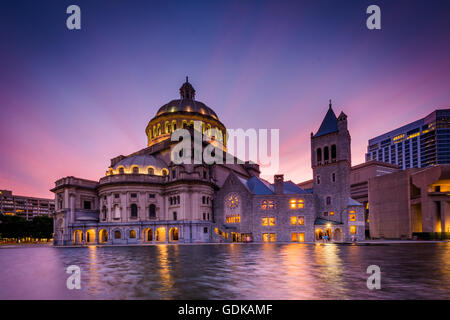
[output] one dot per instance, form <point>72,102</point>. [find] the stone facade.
<point>146,198</point>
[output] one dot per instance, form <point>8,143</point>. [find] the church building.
<point>146,198</point>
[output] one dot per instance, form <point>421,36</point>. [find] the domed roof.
<point>187,103</point>
<point>142,160</point>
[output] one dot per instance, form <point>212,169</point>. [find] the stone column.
<point>72,208</point>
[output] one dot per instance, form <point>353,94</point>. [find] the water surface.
<point>237,271</point>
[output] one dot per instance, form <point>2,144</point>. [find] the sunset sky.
<point>72,100</point>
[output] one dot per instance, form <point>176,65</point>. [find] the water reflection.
<point>238,271</point>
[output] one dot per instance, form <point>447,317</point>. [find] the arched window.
<point>132,234</point>
<point>151,171</point>
<point>173,234</point>
<point>152,211</point>
<point>328,200</point>
<point>135,170</point>
<point>149,235</point>
<point>203,200</point>
<point>178,199</point>
<point>174,126</point>
<point>174,215</point>
<point>117,234</point>
<point>326,155</point>
<point>134,210</point>
<point>165,172</point>
<point>319,155</point>
<point>121,170</point>
<point>167,127</point>
<point>158,130</point>
<point>333,152</point>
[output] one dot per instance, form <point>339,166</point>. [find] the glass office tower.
<point>420,144</point>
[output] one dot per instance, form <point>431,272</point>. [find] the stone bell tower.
<point>331,164</point>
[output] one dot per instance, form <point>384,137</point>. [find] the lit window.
<point>117,234</point>
<point>301,237</point>
<point>293,204</point>
<point>298,237</point>
<point>301,221</point>
<point>132,234</point>
<point>265,221</point>
<point>267,204</point>
<point>233,218</point>
<point>271,221</point>
<point>331,213</point>
<point>273,237</point>
<point>265,237</point>
<point>353,229</point>
<point>296,203</point>
<point>294,237</point>
<point>293,220</point>
<point>352,217</point>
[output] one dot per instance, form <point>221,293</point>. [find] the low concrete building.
<point>410,201</point>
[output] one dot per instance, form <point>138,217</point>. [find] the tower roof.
<point>329,123</point>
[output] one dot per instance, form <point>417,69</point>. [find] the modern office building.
<point>24,206</point>
<point>420,144</point>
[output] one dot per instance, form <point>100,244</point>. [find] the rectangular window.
<point>116,196</point>
<point>331,213</point>
<point>269,237</point>
<point>267,205</point>
<point>174,215</point>
<point>133,195</point>
<point>273,237</point>
<point>205,230</point>
<point>352,217</point>
<point>234,218</point>
<point>352,229</point>
<point>318,179</point>
<point>294,237</point>
<point>301,237</point>
<point>87,205</point>
<point>333,177</point>
<point>293,220</point>
<point>271,221</point>
<point>301,221</point>
<point>265,221</point>
<point>151,195</point>
<point>296,203</point>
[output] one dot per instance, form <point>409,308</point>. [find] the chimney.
<point>279,183</point>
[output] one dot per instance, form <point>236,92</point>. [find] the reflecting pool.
<point>223,271</point>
